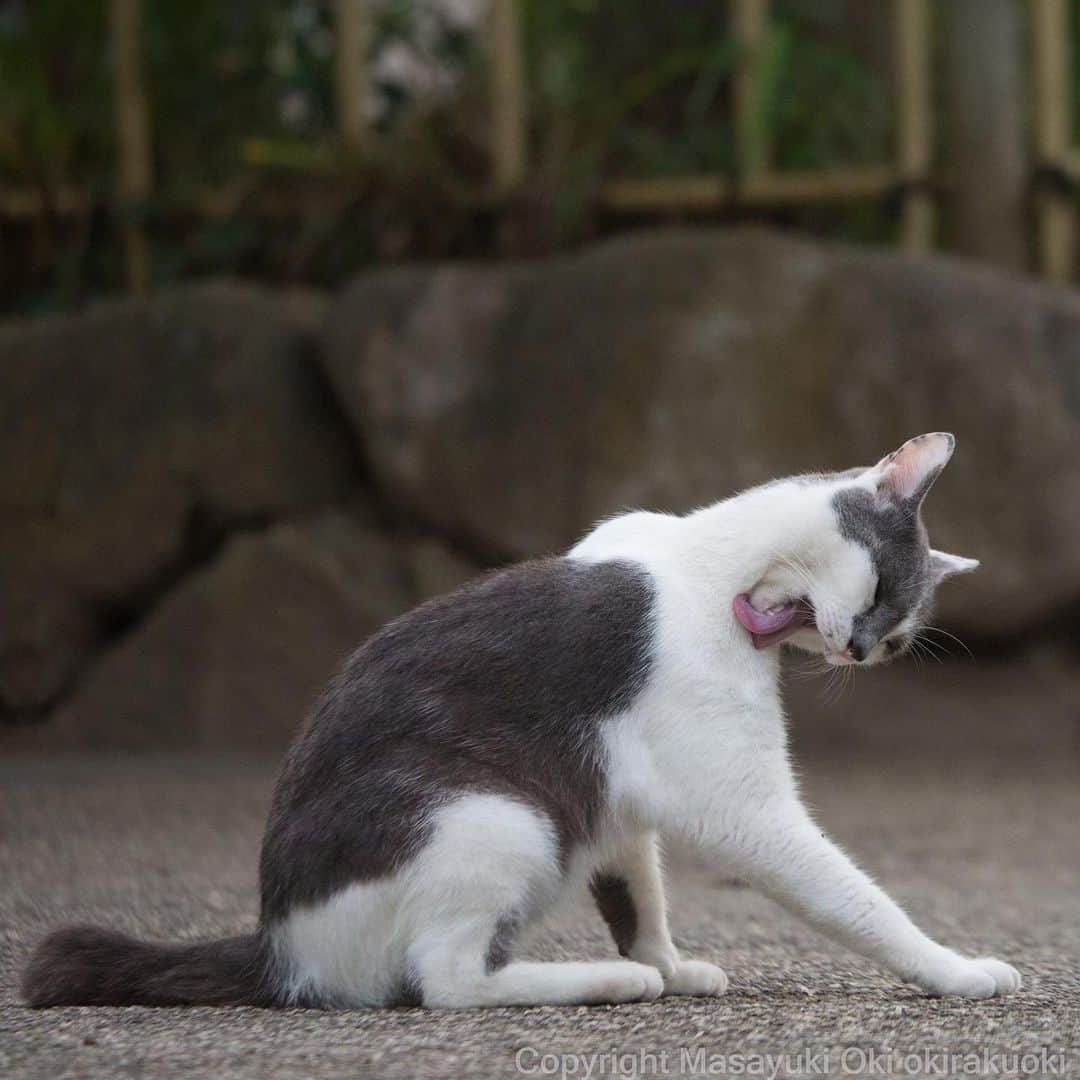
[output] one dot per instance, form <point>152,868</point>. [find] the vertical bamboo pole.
<point>911,36</point>
<point>350,73</point>
<point>750,20</point>
<point>1053,133</point>
<point>133,133</point>
<point>508,105</point>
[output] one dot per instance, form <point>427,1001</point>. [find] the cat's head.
<point>863,582</point>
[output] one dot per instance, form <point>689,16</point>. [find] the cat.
<point>545,727</point>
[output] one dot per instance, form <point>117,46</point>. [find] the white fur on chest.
<point>706,737</point>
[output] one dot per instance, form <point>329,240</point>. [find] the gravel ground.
<point>985,855</point>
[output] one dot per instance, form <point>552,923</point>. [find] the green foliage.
<point>624,87</point>
<point>53,81</point>
<point>212,83</point>
<point>241,101</point>
<point>822,107</point>
<point>636,88</point>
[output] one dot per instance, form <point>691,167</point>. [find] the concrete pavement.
<point>986,855</point>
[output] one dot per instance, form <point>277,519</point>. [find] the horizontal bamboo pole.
<point>25,205</point>
<point>688,193</point>
<point>666,194</point>
<point>17,204</point>
<point>656,195</point>
<point>841,185</point>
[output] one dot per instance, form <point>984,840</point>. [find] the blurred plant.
<point>242,105</point>
<point>634,88</point>
<point>627,85</point>
<point>53,80</point>
<point>822,106</point>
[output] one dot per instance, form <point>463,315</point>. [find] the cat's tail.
<point>89,965</point>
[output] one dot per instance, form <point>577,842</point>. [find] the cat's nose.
<point>855,652</point>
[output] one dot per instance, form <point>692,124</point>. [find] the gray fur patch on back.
<point>894,536</point>
<point>500,687</point>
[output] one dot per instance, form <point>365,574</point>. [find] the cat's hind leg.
<point>491,867</point>
<point>629,891</point>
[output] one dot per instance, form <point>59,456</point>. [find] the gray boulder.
<point>512,406</point>
<point>131,434</point>
<point>236,654</point>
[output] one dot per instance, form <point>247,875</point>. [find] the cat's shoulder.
<point>632,535</point>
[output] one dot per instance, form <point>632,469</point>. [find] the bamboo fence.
<point>753,182</point>
<point>134,169</point>
<point>350,74</point>
<point>1053,134</point>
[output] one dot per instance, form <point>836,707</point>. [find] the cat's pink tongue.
<point>768,627</point>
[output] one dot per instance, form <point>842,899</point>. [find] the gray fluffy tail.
<point>88,965</point>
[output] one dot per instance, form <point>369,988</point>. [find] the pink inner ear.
<point>901,479</point>
<point>906,471</point>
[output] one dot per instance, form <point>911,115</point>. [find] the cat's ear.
<point>907,474</point>
<point>943,565</point>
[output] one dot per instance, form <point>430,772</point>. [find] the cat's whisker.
<point>953,637</point>
<point>924,647</point>
<point>935,646</point>
<point>936,650</point>
<point>837,682</point>
<point>810,671</point>
<point>797,567</point>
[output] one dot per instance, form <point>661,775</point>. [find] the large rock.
<point>512,406</point>
<point>128,437</point>
<point>236,654</point>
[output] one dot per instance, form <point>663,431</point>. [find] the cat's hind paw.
<point>628,981</point>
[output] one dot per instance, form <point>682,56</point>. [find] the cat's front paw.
<point>657,954</point>
<point>696,978</point>
<point>981,978</point>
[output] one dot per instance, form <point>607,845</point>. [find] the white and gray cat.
<point>540,729</point>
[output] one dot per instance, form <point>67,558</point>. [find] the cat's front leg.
<point>782,852</point>
<point>629,891</point>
